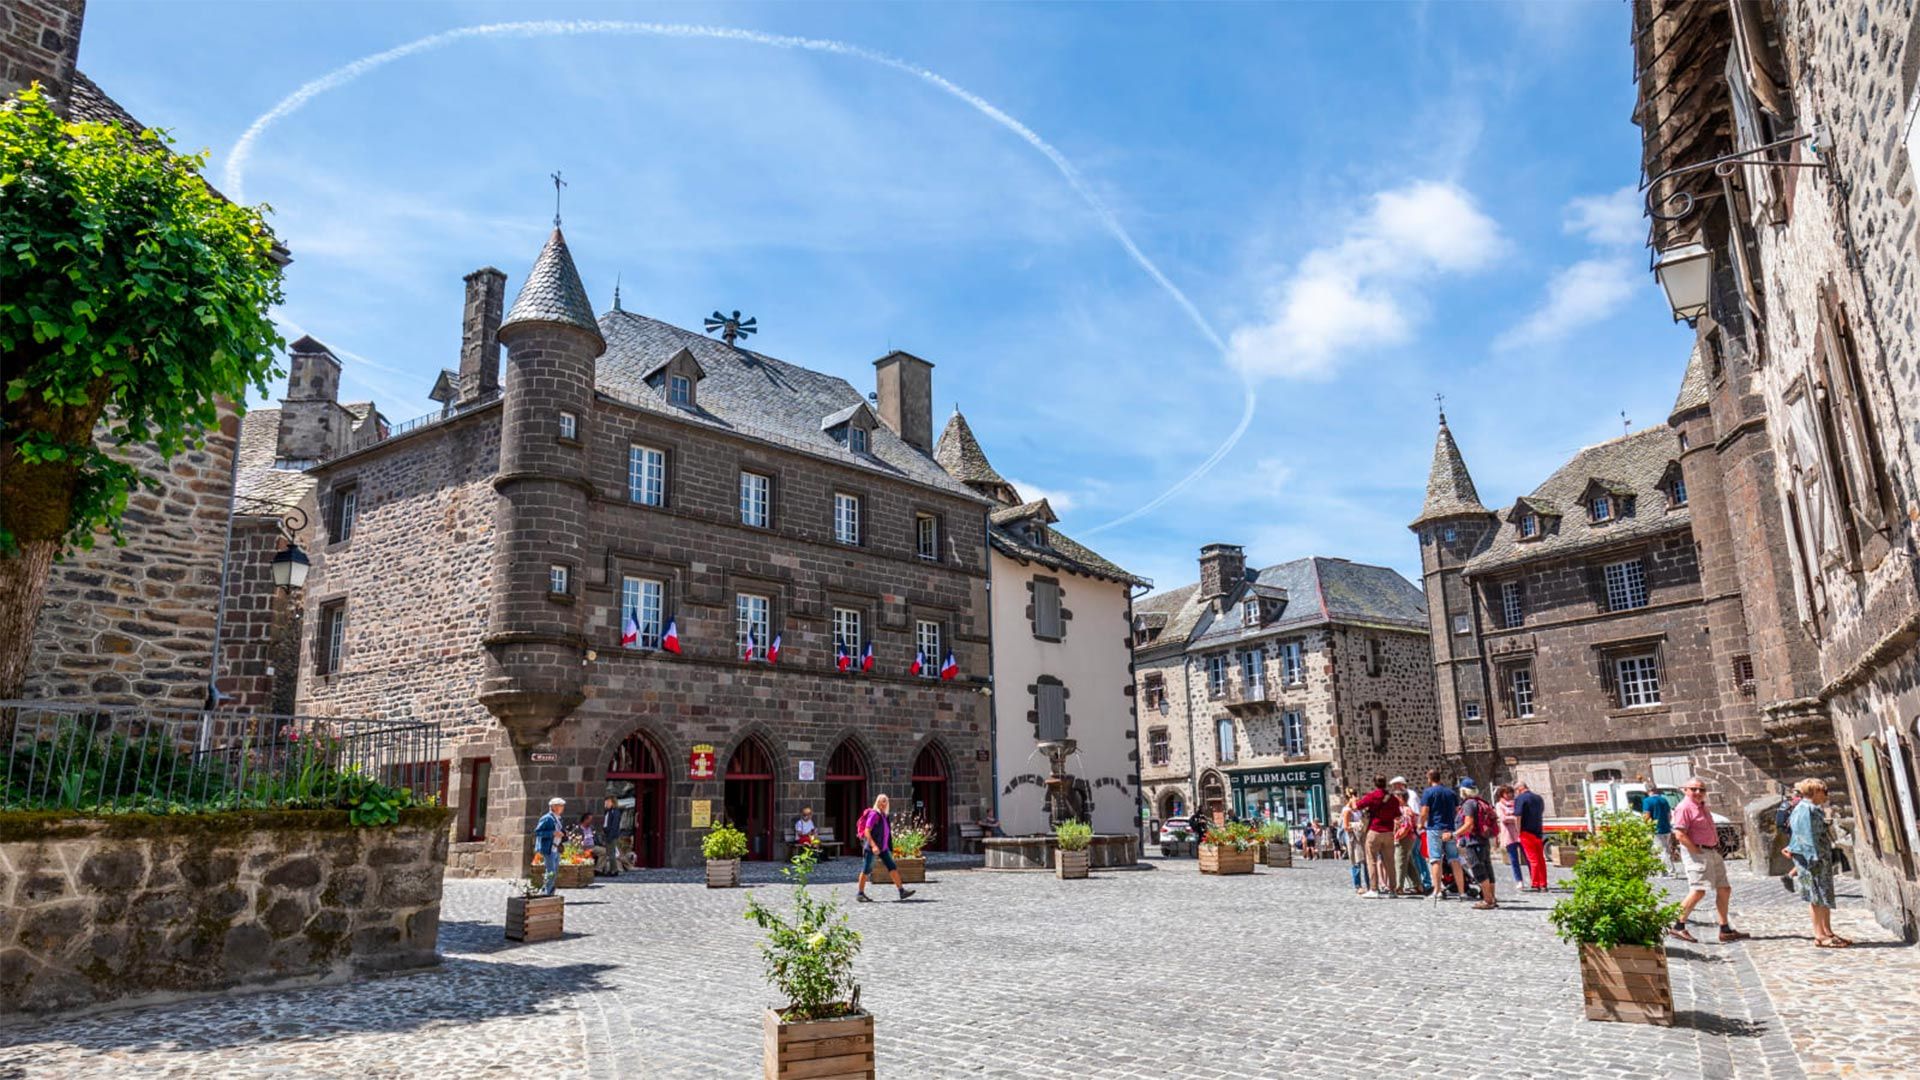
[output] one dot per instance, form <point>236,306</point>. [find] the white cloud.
<point>1584,293</point>
<point>1617,218</point>
<point>1361,290</point>
<point>1061,501</point>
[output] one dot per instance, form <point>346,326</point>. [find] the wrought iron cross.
<point>557,185</point>
<point>1441,401</point>
<point>1626,425</point>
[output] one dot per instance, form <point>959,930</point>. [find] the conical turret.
<point>1450,491</point>
<point>959,453</point>
<point>553,292</point>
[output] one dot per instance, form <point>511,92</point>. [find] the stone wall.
<point>260,632</point>
<point>38,42</point>
<point>135,909</point>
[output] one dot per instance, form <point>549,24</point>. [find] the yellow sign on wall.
<point>702,813</point>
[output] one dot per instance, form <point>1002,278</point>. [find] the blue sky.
<point>1368,203</point>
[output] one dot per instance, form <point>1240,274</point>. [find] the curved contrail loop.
<point>233,174</point>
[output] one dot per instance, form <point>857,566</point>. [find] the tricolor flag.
<point>630,631</point>
<point>750,647</point>
<point>919,663</point>
<point>670,640</point>
<point>866,658</point>
<point>842,659</point>
<point>773,652</point>
<point>949,669</point>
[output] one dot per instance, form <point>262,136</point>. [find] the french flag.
<point>949,669</point>
<point>751,646</point>
<point>842,659</point>
<point>773,651</point>
<point>866,658</point>
<point>670,640</point>
<point>919,663</point>
<point>630,632</point>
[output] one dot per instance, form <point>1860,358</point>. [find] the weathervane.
<point>557,185</point>
<point>1441,401</point>
<point>731,326</point>
<point>1626,425</point>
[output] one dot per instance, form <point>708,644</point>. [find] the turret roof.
<point>1450,490</point>
<point>959,453</point>
<point>1693,385</point>
<point>553,292</point>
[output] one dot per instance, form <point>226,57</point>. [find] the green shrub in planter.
<point>1073,835</point>
<point>724,842</point>
<point>1272,832</point>
<point>1614,901</point>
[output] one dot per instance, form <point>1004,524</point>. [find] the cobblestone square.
<point>1152,972</point>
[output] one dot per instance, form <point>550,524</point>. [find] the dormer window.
<point>680,390</point>
<point>1602,508</point>
<point>856,439</point>
<point>1250,613</point>
<point>1529,526</point>
<point>1677,492</point>
<point>677,378</point>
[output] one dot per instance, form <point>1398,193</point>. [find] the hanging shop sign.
<point>700,762</point>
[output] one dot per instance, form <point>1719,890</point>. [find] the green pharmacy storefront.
<point>1294,794</point>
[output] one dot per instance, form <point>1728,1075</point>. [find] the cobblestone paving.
<point>1155,972</point>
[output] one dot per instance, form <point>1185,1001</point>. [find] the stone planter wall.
<point>1036,852</point>
<point>139,907</point>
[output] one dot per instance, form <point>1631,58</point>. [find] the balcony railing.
<point>1250,693</point>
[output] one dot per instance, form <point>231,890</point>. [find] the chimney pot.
<point>480,334</point>
<point>903,389</point>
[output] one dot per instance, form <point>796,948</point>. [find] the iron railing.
<point>83,757</point>
<point>442,415</point>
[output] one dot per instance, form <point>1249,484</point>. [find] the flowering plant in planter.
<point>910,836</point>
<point>1272,832</point>
<point>1235,835</point>
<point>1073,835</point>
<point>573,853</point>
<point>724,842</point>
<point>808,953</point>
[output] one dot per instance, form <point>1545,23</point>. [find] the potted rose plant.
<point>821,1031</point>
<point>1071,856</point>
<point>1228,849</point>
<point>531,916</point>
<point>1276,846</point>
<point>1618,919</point>
<point>910,836</point>
<point>723,847</point>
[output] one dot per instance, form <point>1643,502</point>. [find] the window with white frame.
<point>1154,689</point>
<point>1159,747</point>
<point>1470,710</point>
<point>569,426</point>
<point>1520,685</point>
<point>1225,746</point>
<point>926,536</point>
<point>1293,663</point>
<point>846,518</point>
<point>857,439</point>
<point>1250,613</point>
<point>1253,669</point>
<point>1638,679</point>
<point>1602,507</point>
<point>756,499</point>
<point>846,631</point>
<point>647,475</point>
<point>333,637</point>
<point>1626,585</point>
<point>926,639</point>
<point>751,618</point>
<point>643,600</point>
<point>680,390</point>
<point>1462,625</point>
<point>346,506</point>
<point>1678,491</point>
<point>558,578</point>
<point>1512,609</point>
<point>1293,732</point>
<point>1217,673</point>
<point>1529,526</point>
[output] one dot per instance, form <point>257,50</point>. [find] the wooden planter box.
<point>1276,854</point>
<point>574,876</point>
<point>1072,864</point>
<point>1565,856</point>
<point>537,918</point>
<point>819,1049</point>
<point>723,873</point>
<point>1628,983</point>
<point>1219,860</point>
<point>913,869</point>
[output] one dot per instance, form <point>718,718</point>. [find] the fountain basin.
<point>1036,852</point>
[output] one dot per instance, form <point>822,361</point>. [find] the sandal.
<point>1834,942</point>
<point>1484,906</point>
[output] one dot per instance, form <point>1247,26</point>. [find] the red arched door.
<point>637,777</point>
<point>846,792</point>
<point>749,796</point>
<point>930,795</point>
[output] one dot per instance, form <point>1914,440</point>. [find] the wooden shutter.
<point>1609,683</point>
<point>1507,702</point>
<point>1052,707</point>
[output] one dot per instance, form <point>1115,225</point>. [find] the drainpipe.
<point>226,567</point>
<point>1133,708</point>
<point>993,698</point>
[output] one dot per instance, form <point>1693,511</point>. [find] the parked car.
<point>1171,829</point>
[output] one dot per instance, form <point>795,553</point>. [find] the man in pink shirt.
<point>1699,841</point>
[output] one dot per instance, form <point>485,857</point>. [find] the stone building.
<point>1596,628</point>
<point>1806,347</point>
<point>1062,655</point>
<point>1277,689</point>
<point>634,568</point>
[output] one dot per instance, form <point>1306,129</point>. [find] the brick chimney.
<point>480,334</point>
<point>40,42</point>
<point>904,384</point>
<point>310,415</point>
<point>1223,569</point>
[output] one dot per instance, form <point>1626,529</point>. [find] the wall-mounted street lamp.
<point>1685,271</point>
<point>290,565</point>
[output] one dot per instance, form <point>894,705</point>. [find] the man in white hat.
<point>546,840</point>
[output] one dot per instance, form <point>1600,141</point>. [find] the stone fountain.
<point>1069,798</point>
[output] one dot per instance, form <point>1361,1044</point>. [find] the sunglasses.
<point>1699,789</point>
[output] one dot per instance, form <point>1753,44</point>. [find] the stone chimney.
<point>40,42</point>
<point>1223,569</point>
<point>311,410</point>
<point>904,384</point>
<point>480,334</point>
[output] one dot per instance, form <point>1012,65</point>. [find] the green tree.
<point>134,299</point>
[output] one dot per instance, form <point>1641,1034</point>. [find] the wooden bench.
<point>827,846</point>
<point>970,836</point>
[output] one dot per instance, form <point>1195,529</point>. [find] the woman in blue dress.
<point>1811,848</point>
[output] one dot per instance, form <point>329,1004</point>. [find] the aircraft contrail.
<point>233,174</point>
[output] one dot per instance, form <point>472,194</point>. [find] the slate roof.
<point>959,453</point>
<point>1039,508</point>
<point>1317,590</point>
<point>1635,462</point>
<point>258,487</point>
<point>86,101</point>
<point>1060,552</point>
<point>1450,490</point>
<point>552,292</point>
<point>754,395</point>
<point>1693,385</point>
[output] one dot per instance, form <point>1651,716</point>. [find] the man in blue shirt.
<point>1532,812</point>
<point>1438,808</point>
<point>546,840</point>
<point>1658,810</point>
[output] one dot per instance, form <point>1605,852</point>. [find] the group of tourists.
<point>1441,843</point>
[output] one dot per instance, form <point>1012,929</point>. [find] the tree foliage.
<point>134,299</point>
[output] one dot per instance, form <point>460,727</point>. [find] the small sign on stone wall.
<point>806,771</point>
<point>702,813</point>
<point>543,757</point>
<point>700,761</point>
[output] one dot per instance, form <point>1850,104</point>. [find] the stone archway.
<point>750,784</point>
<point>1213,794</point>
<point>845,785</point>
<point>932,787</point>
<point>637,777</point>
